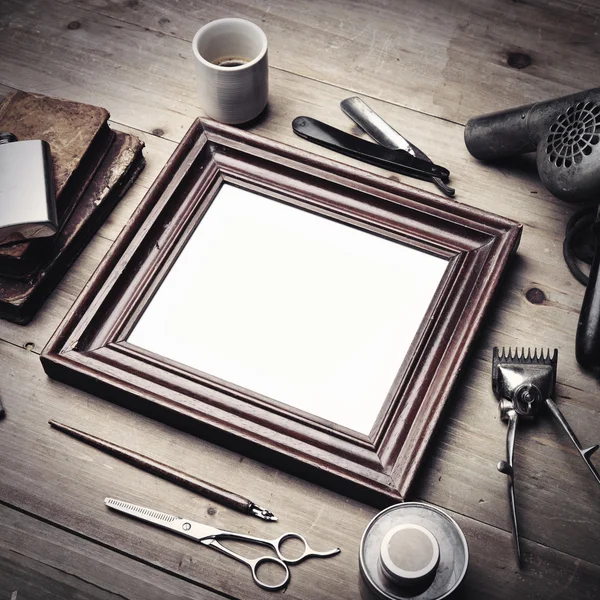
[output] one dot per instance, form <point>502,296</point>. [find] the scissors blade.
<point>191,529</point>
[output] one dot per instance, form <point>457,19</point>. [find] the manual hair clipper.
<point>524,383</point>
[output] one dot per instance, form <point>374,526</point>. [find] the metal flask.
<point>27,204</point>
<point>412,551</point>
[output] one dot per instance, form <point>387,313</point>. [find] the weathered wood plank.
<point>39,561</point>
<point>546,573</point>
<point>80,64</point>
<point>449,59</point>
<point>116,76</point>
<point>42,562</point>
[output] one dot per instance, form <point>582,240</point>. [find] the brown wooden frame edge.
<point>89,348</point>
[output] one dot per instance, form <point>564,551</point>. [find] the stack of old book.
<point>93,167</point>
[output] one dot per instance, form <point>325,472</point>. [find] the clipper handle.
<point>510,415</point>
<point>587,340</point>
<point>585,453</point>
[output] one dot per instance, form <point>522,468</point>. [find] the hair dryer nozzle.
<point>499,134</point>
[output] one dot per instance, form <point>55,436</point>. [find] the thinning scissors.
<point>209,536</point>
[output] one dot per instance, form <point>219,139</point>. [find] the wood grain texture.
<point>448,59</point>
<point>425,67</point>
<point>41,562</point>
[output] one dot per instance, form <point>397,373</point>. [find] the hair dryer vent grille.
<point>574,134</point>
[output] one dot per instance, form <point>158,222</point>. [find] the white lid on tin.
<point>409,554</point>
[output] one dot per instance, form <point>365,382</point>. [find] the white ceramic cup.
<point>231,94</point>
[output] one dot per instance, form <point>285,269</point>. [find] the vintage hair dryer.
<point>565,132</point>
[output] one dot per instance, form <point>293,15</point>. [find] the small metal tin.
<point>412,551</point>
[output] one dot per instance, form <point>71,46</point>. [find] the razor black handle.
<point>399,161</point>
<point>587,341</point>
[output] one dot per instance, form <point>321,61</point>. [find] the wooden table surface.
<point>426,67</point>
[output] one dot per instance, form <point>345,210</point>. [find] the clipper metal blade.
<point>516,377</point>
<point>523,383</point>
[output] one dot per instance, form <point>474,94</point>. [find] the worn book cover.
<point>79,137</point>
<point>20,299</point>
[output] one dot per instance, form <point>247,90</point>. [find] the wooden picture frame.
<point>90,349</point>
